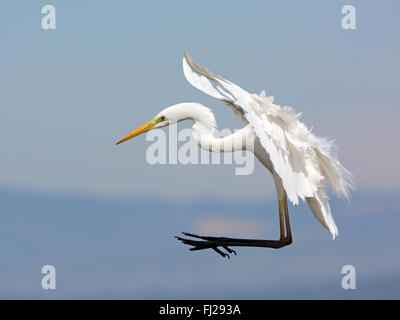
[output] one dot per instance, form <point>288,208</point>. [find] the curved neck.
<point>205,128</point>
<point>199,114</point>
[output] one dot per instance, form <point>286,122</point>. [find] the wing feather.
<point>301,159</point>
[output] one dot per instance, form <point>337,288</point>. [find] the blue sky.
<point>67,95</point>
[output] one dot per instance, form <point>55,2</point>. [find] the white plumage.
<point>300,161</point>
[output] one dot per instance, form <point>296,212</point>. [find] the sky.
<point>71,198</point>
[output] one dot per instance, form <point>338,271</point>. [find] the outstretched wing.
<point>202,79</point>
<point>301,159</point>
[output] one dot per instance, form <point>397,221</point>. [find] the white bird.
<point>300,162</point>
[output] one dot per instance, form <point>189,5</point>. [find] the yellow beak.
<point>143,129</point>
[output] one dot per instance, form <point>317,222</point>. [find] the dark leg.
<point>215,242</point>
<point>288,238</point>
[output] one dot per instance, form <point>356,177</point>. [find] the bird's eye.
<point>162,118</point>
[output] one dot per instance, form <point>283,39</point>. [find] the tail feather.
<point>340,178</point>
<point>319,205</point>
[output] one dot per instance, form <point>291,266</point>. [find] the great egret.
<point>299,161</point>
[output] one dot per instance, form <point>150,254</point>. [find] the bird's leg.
<point>288,238</point>
<point>207,242</point>
<point>281,222</point>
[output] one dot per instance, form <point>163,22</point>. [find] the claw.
<point>229,250</point>
<point>221,253</point>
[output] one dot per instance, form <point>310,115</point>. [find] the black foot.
<point>207,243</point>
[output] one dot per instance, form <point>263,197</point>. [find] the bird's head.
<point>165,118</point>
